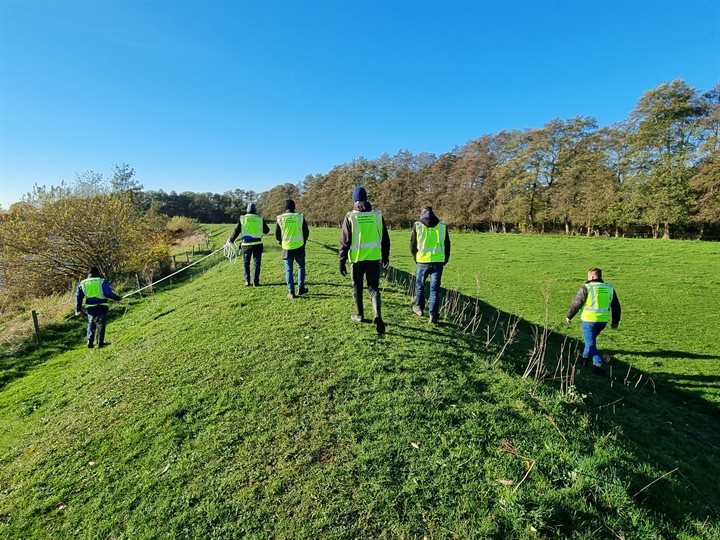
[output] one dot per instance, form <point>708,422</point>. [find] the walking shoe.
<point>291,295</point>
<point>379,325</point>
<point>585,361</point>
<point>247,283</point>
<point>434,320</point>
<point>102,345</point>
<point>598,370</point>
<point>256,283</point>
<point>302,290</point>
<point>89,344</point>
<point>356,318</point>
<point>417,310</point>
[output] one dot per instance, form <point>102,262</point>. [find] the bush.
<point>182,226</point>
<point>47,248</point>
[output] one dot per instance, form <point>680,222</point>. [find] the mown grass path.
<point>221,411</point>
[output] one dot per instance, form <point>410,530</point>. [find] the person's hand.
<point>386,263</point>
<point>343,268</point>
<point>567,320</point>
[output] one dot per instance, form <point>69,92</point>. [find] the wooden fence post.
<point>36,324</point>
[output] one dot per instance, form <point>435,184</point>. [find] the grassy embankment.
<point>221,411</point>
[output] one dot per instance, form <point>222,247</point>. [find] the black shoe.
<point>103,345</point>
<point>356,318</point>
<point>585,361</point>
<point>434,320</point>
<point>90,344</point>
<point>256,283</point>
<point>599,371</point>
<point>291,295</point>
<point>379,325</point>
<point>302,290</point>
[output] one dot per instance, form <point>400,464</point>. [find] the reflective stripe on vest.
<point>94,295</point>
<point>597,303</point>
<point>366,235</point>
<point>252,225</point>
<point>291,225</point>
<point>430,243</point>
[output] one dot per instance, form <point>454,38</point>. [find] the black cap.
<point>289,204</point>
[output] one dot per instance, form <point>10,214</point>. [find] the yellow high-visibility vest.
<point>430,243</point>
<point>252,225</point>
<point>92,288</point>
<point>597,303</point>
<point>366,231</point>
<point>291,225</point>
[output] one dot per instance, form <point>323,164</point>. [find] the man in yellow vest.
<point>430,247</point>
<point>599,304</point>
<point>251,227</point>
<point>292,233</point>
<point>364,240</point>
<point>95,291</point>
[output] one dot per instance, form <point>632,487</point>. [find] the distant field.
<point>669,290</point>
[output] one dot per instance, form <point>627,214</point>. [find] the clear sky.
<point>217,95</point>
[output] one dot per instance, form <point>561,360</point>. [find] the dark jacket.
<point>297,251</point>
<point>429,219</point>
<point>346,235</point>
<point>238,230</point>
<point>581,297</point>
<point>94,310</point>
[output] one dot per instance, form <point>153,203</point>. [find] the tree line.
<point>657,173</point>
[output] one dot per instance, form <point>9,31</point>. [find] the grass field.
<point>221,411</point>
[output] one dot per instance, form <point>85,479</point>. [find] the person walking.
<point>252,227</point>
<point>430,247</point>
<point>598,302</point>
<point>364,240</point>
<point>95,291</point>
<point>292,233</point>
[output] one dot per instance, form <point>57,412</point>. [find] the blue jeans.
<point>422,272</point>
<point>590,331</point>
<point>256,253</point>
<point>299,258</point>
<point>96,325</point>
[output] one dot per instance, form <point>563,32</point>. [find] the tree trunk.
<point>567,228</point>
<point>702,231</point>
<point>504,228</point>
<point>655,228</point>
<point>666,231</point>
<point>617,232</point>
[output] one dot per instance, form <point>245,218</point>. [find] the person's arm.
<point>236,233</point>
<point>345,236</point>
<point>447,246</point>
<point>413,242</point>
<point>278,233</point>
<point>266,227</point>
<point>577,303</point>
<point>616,310</point>
<point>79,295</point>
<point>107,291</point>
<point>385,245</point>
<point>305,231</point>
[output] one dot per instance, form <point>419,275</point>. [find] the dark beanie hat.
<point>289,204</point>
<point>359,194</point>
<point>93,272</point>
<point>252,209</point>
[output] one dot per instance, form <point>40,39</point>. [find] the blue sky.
<point>212,96</point>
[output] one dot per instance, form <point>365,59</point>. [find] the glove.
<point>386,263</point>
<point>343,268</point>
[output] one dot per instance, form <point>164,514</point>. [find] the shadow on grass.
<point>663,353</point>
<point>661,422</point>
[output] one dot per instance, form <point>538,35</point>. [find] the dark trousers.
<point>256,253</point>
<point>591,330</point>
<point>97,317</point>
<point>370,270</point>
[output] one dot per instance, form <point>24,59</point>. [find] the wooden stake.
<point>36,324</point>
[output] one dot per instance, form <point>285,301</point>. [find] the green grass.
<point>222,411</point>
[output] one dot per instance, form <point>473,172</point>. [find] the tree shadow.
<point>664,353</point>
<point>661,421</point>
